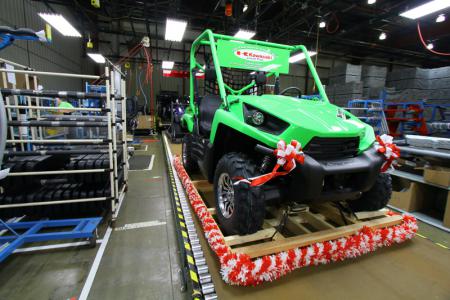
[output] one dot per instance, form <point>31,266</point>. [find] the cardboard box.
<point>437,175</point>
<point>409,199</point>
<point>144,122</point>
<point>20,82</point>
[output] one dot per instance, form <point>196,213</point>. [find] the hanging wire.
<point>143,92</point>
<point>425,44</point>
<point>336,27</point>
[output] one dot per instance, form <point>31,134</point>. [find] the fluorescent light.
<point>426,9</point>
<point>58,22</point>
<point>322,24</point>
<point>175,30</point>
<point>245,34</point>
<point>300,56</point>
<point>245,8</point>
<point>371,1</point>
<point>440,18</point>
<point>98,58</point>
<point>430,46</point>
<point>382,36</point>
<point>167,65</point>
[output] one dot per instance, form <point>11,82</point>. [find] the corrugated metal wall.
<point>64,54</point>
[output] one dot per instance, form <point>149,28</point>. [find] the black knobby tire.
<point>189,162</point>
<point>377,197</point>
<point>249,207</point>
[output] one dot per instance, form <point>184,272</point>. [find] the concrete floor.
<point>142,263</point>
<point>139,263</point>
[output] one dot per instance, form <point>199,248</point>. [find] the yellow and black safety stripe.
<point>434,242</point>
<point>192,275</point>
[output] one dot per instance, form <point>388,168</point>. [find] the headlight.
<point>257,117</point>
<point>263,121</point>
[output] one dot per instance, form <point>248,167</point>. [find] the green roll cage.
<point>208,38</point>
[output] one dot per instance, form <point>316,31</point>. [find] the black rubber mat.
<point>140,162</point>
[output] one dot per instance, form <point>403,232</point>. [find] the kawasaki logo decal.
<point>254,55</point>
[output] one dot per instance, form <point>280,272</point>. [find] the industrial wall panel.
<point>64,54</point>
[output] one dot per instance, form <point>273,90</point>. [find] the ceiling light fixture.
<point>175,30</point>
<point>167,65</point>
<point>300,56</point>
<point>425,9</point>
<point>440,18</point>
<point>382,36</point>
<point>97,57</point>
<point>430,46</point>
<point>245,34</point>
<point>371,1</point>
<point>322,24</point>
<point>60,23</point>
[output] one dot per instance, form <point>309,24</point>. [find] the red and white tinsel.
<point>240,269</point>
<point>288,155</point>
<point>385,145</point>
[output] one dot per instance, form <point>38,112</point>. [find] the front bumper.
<point>334,180</point>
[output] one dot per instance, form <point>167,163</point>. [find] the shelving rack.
<point>30,119</point>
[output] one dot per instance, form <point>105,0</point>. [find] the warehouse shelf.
<point>416,178</point>
<point>104,141</point>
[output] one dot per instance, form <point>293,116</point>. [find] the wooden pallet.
<point>321,223</point>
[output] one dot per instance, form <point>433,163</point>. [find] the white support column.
<point>110,138</point>
<point>114,135</point>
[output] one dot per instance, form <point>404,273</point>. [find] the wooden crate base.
<point>321,223</point>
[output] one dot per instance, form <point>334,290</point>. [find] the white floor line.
<point>140,225</point>
<point>121,198</point>
<point>54,246</point>
<point>150,166</point>
<point>90,279</point>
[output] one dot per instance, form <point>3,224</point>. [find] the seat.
<point>207,108</point>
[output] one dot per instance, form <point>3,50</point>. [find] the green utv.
<point>235,119</point>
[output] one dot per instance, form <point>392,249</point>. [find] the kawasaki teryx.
<point>238,113</point>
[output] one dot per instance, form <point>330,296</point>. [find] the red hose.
<point>149,78</point>
<point>336,27</point>
<point>130,52</point>
<point>425,44</point>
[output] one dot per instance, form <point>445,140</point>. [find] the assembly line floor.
<point>141,261</point>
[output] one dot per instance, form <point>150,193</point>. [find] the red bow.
<point>287,157</point>
<point>389,149</point>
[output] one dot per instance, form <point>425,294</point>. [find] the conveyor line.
<point>192,253</point>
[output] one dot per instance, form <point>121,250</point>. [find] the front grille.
<point>332,148</point>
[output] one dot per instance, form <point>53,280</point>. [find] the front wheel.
<point>377,197</point>
<point>189,162</point>
<point>240,208</point>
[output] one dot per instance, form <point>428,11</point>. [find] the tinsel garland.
<point>240,269</point>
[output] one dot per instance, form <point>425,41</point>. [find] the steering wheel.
<point>299,91</point>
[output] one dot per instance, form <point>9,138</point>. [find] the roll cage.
<point>208,38</point>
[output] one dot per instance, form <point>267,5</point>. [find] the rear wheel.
<point>188,160</point>
<point>377,197</point>
<point>240,208</point>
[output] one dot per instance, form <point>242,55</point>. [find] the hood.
<point>316,117</point>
